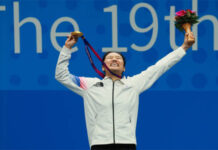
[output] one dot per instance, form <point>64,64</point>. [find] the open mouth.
<point>114,65</point>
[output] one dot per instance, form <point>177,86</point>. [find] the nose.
<point>114,60</point>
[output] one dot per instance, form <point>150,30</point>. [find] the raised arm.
<point>146,79</point>
<point>62,74</point>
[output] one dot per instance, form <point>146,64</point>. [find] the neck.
<point>112,76</point>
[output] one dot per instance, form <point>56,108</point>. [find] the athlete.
<point>111,103</point>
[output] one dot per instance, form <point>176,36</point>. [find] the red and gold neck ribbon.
<point>87,46</point>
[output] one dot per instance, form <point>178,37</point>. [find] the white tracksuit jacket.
<point>111,108</point>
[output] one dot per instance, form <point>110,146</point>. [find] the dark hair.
<point>124,59</point>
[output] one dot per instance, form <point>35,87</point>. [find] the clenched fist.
<point>71,41</point>
<point>189,40</point>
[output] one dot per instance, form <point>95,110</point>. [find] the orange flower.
<point>189,10</point>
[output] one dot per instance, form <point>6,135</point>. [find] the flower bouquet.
<point>184,19</point>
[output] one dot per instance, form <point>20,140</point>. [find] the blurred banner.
<point>33,31</point>
<point>36,112</point>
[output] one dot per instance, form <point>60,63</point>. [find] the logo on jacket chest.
<point>99,84</point>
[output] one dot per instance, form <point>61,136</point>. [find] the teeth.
<point>114,65</point>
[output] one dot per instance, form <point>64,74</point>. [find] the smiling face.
<point>115,63</point>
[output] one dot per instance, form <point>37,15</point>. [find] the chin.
<point>117,70</point>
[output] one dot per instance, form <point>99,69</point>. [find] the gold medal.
<point>77,33</point>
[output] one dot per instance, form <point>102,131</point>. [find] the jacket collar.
<point>121,80</point>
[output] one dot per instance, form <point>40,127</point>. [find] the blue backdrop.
<point>178,112</point>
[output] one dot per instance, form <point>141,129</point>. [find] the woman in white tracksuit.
<point>111,104</point>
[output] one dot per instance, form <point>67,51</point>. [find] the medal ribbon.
<point>87,46</point>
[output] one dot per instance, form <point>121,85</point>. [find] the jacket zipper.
<point>113,112</point>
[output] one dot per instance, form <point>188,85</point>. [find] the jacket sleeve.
<point>62,74</point>
<point>146,78</point>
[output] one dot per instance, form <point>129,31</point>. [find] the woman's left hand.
<point>187,42</point>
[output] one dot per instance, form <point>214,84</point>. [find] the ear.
<point>103,69</point>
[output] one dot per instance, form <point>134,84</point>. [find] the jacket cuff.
<point>66,50</point>
<point>181,52</point>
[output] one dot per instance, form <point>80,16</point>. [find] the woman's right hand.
<point>71,41</point>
